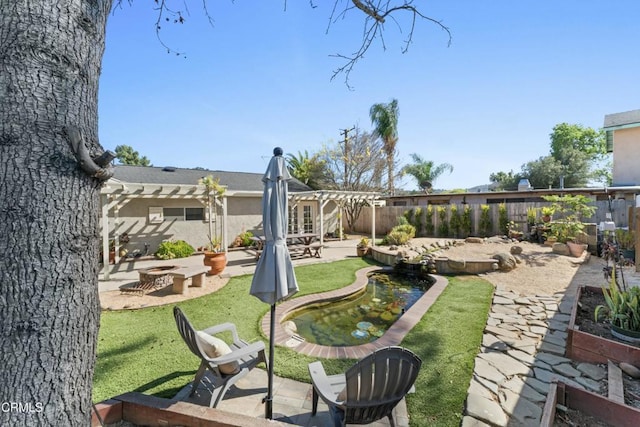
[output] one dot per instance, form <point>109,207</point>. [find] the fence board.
<point>387,216</point>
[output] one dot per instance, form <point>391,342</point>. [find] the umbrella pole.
<point>269,400</point>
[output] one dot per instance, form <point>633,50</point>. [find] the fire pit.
<point>152,279</point>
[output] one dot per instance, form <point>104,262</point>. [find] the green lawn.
<point>142,351</point>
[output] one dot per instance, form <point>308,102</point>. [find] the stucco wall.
<point>242,214</point>
<point>626,152</point>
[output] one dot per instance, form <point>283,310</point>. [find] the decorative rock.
<point>630,370</point>
<point>516,250</point>
<point>560,249</point>
<point>474,240</point>
<point>506,262</point>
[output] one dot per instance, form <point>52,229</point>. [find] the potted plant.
<point>626,242</point>
<point>532,215</point>
<point>569,228</point>
<point>622,310</point>
<point>547,213</point>
<point>363,247</point>
<point>214,257</point>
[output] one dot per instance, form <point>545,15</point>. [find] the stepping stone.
<point>557,326</point>
<point>552,359</point>
<point>524,311</point>
<point>524,411</point>
<point>523,301</point>
<point>521,388</point>
<point>479,389</point>
<point>540,330</point>
<point>551,339</point>
<point>526,358</point>
<point>468,421</point>
<point>548,376</point>
<point>589,384</point>
<point>507,365</point>
<point>592,371</point>
<point>502,300</point>
<point>485,410</point>
<point>491,386</point>
<point>496,330</point>
<point>567,370</point>
<point>491,342</point>
<point>485,370</point>
<point>536,309</point>
<point>551,348</point>
<point>538,323</point>
<point>537,385</point>
<point>504,309</point>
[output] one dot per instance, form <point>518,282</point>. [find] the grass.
<point>141,350</point>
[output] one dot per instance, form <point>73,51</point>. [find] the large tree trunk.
<point>50,56</point>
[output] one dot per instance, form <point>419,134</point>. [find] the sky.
<point>259,76</point>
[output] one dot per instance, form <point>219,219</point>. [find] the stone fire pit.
<point>152,278</point>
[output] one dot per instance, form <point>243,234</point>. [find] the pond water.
<point>362,317</point>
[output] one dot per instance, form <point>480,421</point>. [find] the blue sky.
<point>259,77</point>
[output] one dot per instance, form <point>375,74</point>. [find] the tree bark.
<point>50,56</point>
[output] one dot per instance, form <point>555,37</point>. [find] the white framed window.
<point>183,214</point>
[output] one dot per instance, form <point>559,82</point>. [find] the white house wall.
<point>626,153</point>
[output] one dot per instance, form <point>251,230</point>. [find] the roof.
<point>234,181</point>
<point>622,120</point>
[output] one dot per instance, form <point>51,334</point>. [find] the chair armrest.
<point>213,330</point>
<point>239,353</point>
<point>322,384</point>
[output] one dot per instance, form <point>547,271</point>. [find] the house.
<point>623,140</point>
<point>153,204</point>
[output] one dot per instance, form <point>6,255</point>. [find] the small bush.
<point>174,249</point>
<point>443,228</point>
<point>396,237</point>
<point>485,220</point>
<point>430,229</point>
<point>245,238</point>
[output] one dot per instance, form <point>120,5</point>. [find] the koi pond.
<point>362,317</point>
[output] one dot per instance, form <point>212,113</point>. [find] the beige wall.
<point>243,214</point>
<point>626,156</point>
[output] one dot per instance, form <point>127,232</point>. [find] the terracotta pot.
<point>361,250</point>
<point>216,260</point>
<point>576,249</point>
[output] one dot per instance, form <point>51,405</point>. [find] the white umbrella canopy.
<point>274,278</point>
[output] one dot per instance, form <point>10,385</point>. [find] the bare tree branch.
<point>377,12</point>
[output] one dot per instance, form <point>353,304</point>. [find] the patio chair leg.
<point>391,422</point>
<point>314,407</point>
<point>199,375</point>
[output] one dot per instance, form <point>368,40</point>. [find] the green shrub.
<point>174,249</point>
<point>429,221</point>
<point>245,238</point>
<point>455,223</point>
<point>466,225</point>
<point>396,237</point>
<point>503,218</point>
<point>486,225</point>
<point>443,228</point>
<point>408,215</point>
<point>417,221</point>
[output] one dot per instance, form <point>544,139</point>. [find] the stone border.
<point>393,336</point>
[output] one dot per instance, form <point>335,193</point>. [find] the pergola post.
<point>373,222</point>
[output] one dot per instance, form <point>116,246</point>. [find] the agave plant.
<point>622,308</point>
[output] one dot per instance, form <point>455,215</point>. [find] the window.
<point>183,214</point>
<point>307,219</point>
<point>293,220</point>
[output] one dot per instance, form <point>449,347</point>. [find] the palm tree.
<point>385,119</point>
<point>425,171</point>
<point>307,169</point>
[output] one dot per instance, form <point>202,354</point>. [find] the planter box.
<point>586,347</point>
<point>588,403</point>
<point>144,410</point>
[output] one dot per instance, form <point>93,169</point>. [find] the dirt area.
<point>117,300</point>
<point>539,270</point>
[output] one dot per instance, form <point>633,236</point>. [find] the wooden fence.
<point>387,217</point>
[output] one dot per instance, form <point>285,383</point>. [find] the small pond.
<point>362,317</point>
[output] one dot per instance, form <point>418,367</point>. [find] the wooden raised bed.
<point>586,347</point>
<point>588,403</point>
<point>144,410</point>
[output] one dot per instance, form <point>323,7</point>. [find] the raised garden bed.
<point>586,346</point>
<point>585,408</point>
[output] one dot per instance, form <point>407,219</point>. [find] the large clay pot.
<point>576,249</point>
<point>216,260</point>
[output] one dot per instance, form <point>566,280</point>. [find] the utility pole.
<point>345,141</point>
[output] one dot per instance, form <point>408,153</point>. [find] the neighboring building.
<point>623,140</point>
<point>152,204</point>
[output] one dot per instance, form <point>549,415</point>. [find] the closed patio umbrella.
<point>274,279</point>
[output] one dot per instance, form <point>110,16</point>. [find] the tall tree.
<point>126,155</point>
<point>52,168</point>
<point>365,172</point>
<point>385,120</point>
<point>426,172</point>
